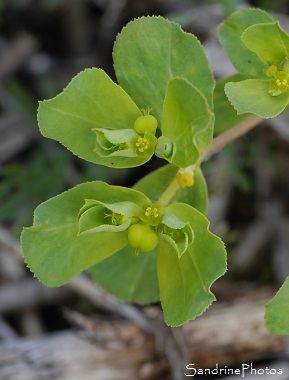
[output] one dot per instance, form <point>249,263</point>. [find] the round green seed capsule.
<point>145,123</point>
<point>142,237</point>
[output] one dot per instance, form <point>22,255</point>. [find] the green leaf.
<point>230,33</point>
<point>91,100</point>
<point>225,114</point>
<point>277,311</point>
<point>185,283</point>
<point>149,52</point>
<point>268,41</point>
<point>187,122</point>
<point>129,277</point>
<point>155,183</point>
<point>52,247</point>
<point>251,96</point>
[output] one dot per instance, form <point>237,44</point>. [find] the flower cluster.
<point>137,141</point>
<point>280,77</point>
<point>267,95</point>
<point>144,224</point>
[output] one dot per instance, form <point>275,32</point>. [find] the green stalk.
<point>218,143</point>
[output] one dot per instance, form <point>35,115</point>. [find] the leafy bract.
<point>52,247</point>
<point>129,277</point>
<point>115,143</point>
<point>185,282</point>
<point>149,52</point>
<point>179,234</point>
<point>268,41</point>
<point>155,183</point>
<point>277,311</point>
<point>91,102</point>
<point>187,122</point>
<point>251,95</point>
<point>230,35</point>
<point>96,216</point>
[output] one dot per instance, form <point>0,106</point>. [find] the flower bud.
<point>185,177</point>
<point>164,148</point>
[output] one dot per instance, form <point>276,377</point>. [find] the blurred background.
<point>43,44</point>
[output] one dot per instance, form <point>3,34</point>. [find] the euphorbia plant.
<point>151,242</point>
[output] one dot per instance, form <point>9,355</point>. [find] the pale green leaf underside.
<point>52,248</point>
<point>95,216</point>
<point>277,311</point>
<point>155,183</point>
<point>230,32</point>
<point>129,277</point>
<point>268,41</point>
<point>149,52</point>
<point>91,100</point>
<point>251,96</point>
<point>185,234</point>
<point>187,122</point>
<point>185,283</point>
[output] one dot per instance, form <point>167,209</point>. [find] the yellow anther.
<point>279,84</point>
<point>142,144</point>
<point>185,178</point>
<point>156,213</point>
<point>152,213</point>
<point>283,82</point>
<point>148,211</point>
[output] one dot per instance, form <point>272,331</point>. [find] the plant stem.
<point>218,143</point>
<point>168,194</point>
<point>232,134</point>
